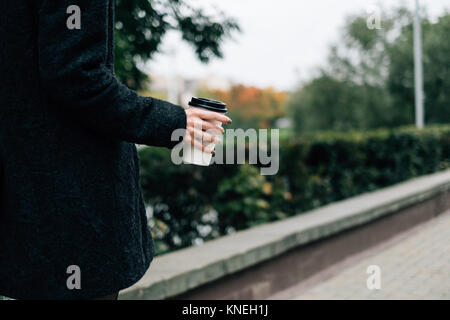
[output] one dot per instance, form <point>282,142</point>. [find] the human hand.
<point>198,122</point>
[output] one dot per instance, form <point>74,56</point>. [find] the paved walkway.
<point>415,265</point>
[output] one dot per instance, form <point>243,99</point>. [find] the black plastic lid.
<point>208,104</point>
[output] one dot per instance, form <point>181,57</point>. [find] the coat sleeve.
<point>76,79</point>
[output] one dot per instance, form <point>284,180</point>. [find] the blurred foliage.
<point>196,204</point>
<point>242,200</point>
<point>142,24</point>
<point>154,94</point>
<point>369,79</point>
<point>250,107</point>
<point>436,66</point>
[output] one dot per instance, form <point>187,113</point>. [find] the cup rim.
<point>209,104</point>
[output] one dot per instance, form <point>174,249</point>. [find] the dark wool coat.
<point>69,180</point>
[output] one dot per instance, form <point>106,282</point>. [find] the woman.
<point>72,219</point>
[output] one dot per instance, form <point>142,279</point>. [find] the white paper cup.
<point>193,155</point>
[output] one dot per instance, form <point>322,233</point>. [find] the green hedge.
<point>191,204</point>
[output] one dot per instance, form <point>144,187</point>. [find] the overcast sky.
<point>282,42</point>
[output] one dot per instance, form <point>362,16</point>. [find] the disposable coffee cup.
<point>191,154</point>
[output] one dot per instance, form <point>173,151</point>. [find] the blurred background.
<point>337,77</point>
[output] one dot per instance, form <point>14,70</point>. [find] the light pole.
<point>418,70</point>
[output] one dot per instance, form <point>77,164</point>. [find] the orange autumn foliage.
<point>252,106</point>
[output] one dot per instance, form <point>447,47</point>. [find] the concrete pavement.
<point>415,266</point>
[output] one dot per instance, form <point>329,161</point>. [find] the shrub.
<point>191,204</point>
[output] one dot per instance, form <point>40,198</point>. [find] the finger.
<point>205,126</point>
<point>210,115</point>
<point>197,144</point>
<point>203,136</point>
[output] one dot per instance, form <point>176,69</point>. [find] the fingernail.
<point>230,121</point>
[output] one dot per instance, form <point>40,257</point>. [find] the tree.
<point>325,103</point>
<point>436,66</point>
<point>142,24</point>
<point>251,107</point>
<point>368,81</point>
